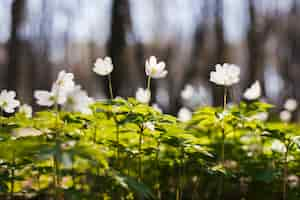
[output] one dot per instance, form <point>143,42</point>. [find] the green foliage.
<point>114,154</point>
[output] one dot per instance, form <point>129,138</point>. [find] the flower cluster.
<point>289,106</point>
<point>65,93</point>
<point>226,74</point>
<point>145,135</point>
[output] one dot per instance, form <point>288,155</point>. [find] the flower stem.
<point>2,115</point>
<point>149,83</point>
<point>158,169</point>
<point>95,135</point>
<point>56,177</point>
<point>12,179</point>
<point>221,180</point>
<point>118,143</point>
<point>117,140</point>
<point>73,170</point>
<point>223,128</point>
<point>284,177</point>
<point>181,167</point>
<point>140,167</point>
<point>225,98</point>
<point>110,87</point>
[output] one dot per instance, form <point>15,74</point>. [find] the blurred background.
<point>38,38</point>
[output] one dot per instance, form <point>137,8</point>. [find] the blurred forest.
<point>38,38</point>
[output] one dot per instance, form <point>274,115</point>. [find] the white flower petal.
<point>184,114</point>
<point>226,75</point>
<point>154,69</point>
<point>278,146</point>
<point>149,125</point>
<point>78,101</point>
<point>26,109</point>
<point>291,105</point>
<point>103,67</point>
<point>44,98</point>
<point>143,95</point>
<point>8,102</point>
<point>254,92</point>
<point>285,116</point>
<point>188,92</point>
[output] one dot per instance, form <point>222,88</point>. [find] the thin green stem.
<point>39,181</point>
<point>57,172</point>
<point>223,147</point>
<point>285,174</point>
<point>56,177</point>
<point>2,115</point>
<point>221,180</point>
<point>73,171</point>
<point>223,128</point>
<point>12,180</point>
<point>117,140</point>
<point>225,98</point>
<point>149,83</point>
<point>181,173</point>
<point>140,167</point>
<point>158,169</point>
<point>110,87</point>
<point>95,135</point>
<point>118,143</point>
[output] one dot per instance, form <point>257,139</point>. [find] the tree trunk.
<point>120,26</point>
<point>17,13</point>
<point>220,49</point>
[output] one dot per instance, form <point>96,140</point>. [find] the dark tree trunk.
<point>254,47</point>
<point>257,37</point>
<point>120,26</point>
<point>220,49</point>
<point>43,81</point>
<point>17,13</point>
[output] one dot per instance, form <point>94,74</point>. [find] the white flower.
<point>64,83</point>
<point>253,92</point>
<point>103,67</point>
<point>143,95</point>
<point>44,98</point>
<point>222,115</point>
<point>291,105</point>
<point>26,110</point>
<point>187,92</point>
<point>285,116</point>
<point>262,116</point>
<point>296,140</point>
<point>8,103</point>
<point>157,108</point>
<point>278,146</point>
<point>154,69</point>
<point>62,86</point>
<point>293,180</point>
<point>59,91</point>
<point>78,101</point>
<point>184,114</point>
<point>149,125</point>
<point>226,74</point>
